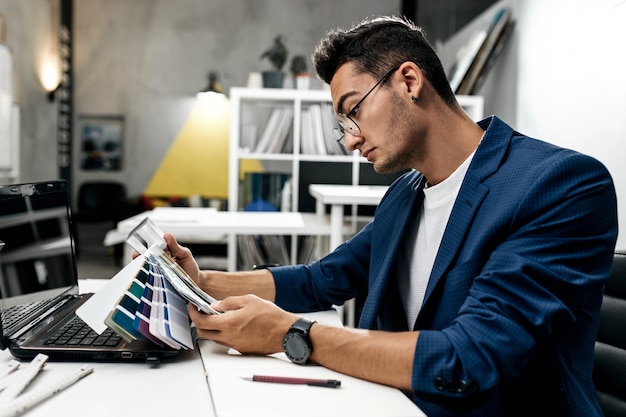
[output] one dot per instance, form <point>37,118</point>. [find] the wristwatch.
<point>296,343</point>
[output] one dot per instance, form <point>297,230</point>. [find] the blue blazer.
<point>509,320</point>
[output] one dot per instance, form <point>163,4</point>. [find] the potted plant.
<point>276,54</point>
<point>301,76</point>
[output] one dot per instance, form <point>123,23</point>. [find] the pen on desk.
<point>328,383</point>
<point>18,405</point>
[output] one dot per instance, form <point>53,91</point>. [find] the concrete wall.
<point>146,59</point>
<point>571,85</point>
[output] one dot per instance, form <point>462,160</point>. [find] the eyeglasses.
<point>346,124</point>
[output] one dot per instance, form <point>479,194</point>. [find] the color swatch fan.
<point>154,303</point>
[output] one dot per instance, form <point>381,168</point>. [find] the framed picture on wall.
<point>101,141</point>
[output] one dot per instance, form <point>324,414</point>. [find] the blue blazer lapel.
<point>378,311</point>
<point>467,203</point>
<point>486,161</point>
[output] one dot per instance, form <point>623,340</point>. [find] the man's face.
<point>380,123</point>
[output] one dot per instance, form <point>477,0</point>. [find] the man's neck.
<point>453,141</point>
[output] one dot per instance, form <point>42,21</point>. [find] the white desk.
<point>234,396</point>
<point>207,382</point>
<point>176,387</point>
<point>338,196</point>
<point>206,225</point>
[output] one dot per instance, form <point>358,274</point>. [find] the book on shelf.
<point>495,28</point>
<point>318,122</point>
<point>317,129</point>
<point>329,122</point>
<point>248,137</point>
<point>307,249</point>
<point>262,250</point>
<point>264,191</point>
<point>306,136</point>
<point>279,142</point>
<point>275,137</point>
<point>491,59</point>
<point>466,56</point>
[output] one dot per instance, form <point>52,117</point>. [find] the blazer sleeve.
<point>331,280</point>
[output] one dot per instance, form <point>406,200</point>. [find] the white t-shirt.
<point>418,253</point>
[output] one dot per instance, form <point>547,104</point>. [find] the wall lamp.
<point>213,88</point>
<point>49,65</point>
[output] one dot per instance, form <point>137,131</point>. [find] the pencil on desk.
<point>328,383</point>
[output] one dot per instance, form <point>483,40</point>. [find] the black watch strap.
<point>303,325</point>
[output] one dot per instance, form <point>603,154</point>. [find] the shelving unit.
<point>251,114</point>
<point>39,254</point>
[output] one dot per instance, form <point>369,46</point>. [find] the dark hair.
<point>376,45</point>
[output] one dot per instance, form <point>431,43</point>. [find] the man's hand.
<point>249,324</point>
<point>183,257</point>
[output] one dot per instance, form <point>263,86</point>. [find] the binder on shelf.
<point>317,129</point>
<point>248,137</point>
<point>328,124</point>
<point>279,139</point>
<point>306,133</point>
<point>493,55</point>
<point>466,56</point>
<point>307,249</point>
<point>276,135</point>
<point>263,191</point>
<point>268,135</point>
<point>262,250</point>
<point>497,25</point>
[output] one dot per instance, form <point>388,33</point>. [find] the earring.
<point>414,99</point>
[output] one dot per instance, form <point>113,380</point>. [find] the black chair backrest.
<point>609,371</point>
<point>98,201</point>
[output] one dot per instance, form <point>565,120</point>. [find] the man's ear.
<point>412,79</point>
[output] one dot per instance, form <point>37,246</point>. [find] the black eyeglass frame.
<point>343,119</point>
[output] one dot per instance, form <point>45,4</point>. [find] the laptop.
<point>39,284</point>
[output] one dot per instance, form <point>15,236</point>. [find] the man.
<point>483,267</point>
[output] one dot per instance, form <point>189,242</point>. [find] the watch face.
<point>296,348</point>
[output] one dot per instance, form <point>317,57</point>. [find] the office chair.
<point>102,202</point>
<point>609,371</point>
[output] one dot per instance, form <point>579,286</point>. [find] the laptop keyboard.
<point>77,333</point>
<point>13,316</point>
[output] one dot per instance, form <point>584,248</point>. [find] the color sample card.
<point>122,316</point>
<point>142,316</point>
<point>164,305</point>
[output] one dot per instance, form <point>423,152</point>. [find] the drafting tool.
<point>17,406</point>
<point>23,378</point>
<point>8,374</point>
<point>10,367</point>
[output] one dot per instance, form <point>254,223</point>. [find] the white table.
<point>207,382</point>
<point>339,196</point>
<point>207,225</point>
<point>116,388</point>
<point>234,396</point>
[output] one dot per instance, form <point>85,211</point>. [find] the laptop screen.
<point>37,261</point>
